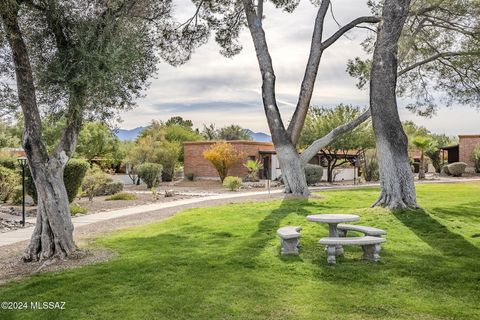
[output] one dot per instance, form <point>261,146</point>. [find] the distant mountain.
<point>259,136</point>
<point>132,134</point>
<point>128,135</point>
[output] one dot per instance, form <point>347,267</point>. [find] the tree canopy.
<point>439,56</point>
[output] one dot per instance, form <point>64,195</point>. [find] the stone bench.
<point>290,239</point>
<point>368,231</point>
<point>370,245</point>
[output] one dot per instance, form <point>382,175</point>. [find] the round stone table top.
<point>333,218</point>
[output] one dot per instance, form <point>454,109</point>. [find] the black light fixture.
<point>23,164</point>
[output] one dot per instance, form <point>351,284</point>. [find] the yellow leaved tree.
<point>223,156</point>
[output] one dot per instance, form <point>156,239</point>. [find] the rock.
<point>169,193</point>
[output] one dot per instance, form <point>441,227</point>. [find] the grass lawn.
<point>224,263</point>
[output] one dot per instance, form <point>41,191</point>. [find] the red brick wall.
<point>196,164</point>
<point>467,144</point>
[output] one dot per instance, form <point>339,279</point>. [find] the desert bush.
<point>253,167</point>
<point>150,173</point>
<point>110,188</point>
<point>17,195</point>
<point>8,162</point>
<point>232,183</point>
<point>222,155</point>
<point>8,182</point>
<point>313,173</point>
<point>190,176</point>
<point>76,209</point>
<point>456,169</point>
<point>95,182</point>
<point>73,176</point>
<point>121,196</point>
<point>370,169</point>
<point>476,158</point>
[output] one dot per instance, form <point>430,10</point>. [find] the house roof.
<point>449,147</point>
<point>244,142</point>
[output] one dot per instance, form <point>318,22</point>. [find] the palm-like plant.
<point>253,167</point>
<point>423,143</point>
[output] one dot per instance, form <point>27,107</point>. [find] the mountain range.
<point>132,134</point>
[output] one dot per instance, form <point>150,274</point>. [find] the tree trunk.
<point>53,234</point>
<point>421,169</point>
<point>396,177</point>
<point>293,172</point>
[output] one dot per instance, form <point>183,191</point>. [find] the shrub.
<point>110,188</point>
<point>17,196</point>
<point>73,175</point>
<point>313,173</point>
<point>232,183</point>
<point>8,162</point>
<point>253,167</point>
<point>95,182</point>
<point>122,196</point>
<point>370,169</point>
<point>476,158</point>
<point>190,176</point>
<point>150,173</point>
<point>8,183</point>
<point>222,155</point>
<point>76,209</point>
<point>456,169</point>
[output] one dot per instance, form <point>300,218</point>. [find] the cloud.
<point>212,88</point>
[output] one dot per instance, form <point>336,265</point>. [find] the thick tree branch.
<point>32,140</point>
<point>317,47</point>
<point>319,144</point>
<point>340,32</point>
<point>308,83</point>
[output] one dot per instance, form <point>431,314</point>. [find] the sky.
<point>213,89</point>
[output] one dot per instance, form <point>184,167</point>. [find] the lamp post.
<point>23,163</point>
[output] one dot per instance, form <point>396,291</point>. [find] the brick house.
<point>463,150</point>
<point>195,163</point>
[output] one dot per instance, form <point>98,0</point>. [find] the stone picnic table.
<point>333,220</point>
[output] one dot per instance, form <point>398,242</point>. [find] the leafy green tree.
<point>233,132</point>
<point>210,132</point>
<point>97,140</point>
<point>321,121</point>
<point>8,137</point>
<point>180,121</point>
<point>76,60</point>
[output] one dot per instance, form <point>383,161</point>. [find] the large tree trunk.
<point>293,172</point>
<point>396,177</point>
<point>53,234</point>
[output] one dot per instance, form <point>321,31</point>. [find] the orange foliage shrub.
<point>222,155</point>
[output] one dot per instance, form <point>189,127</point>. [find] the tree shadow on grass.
<point>469,211</point>
<point>436,235</point>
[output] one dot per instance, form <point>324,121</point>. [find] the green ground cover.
<point>224,263</point>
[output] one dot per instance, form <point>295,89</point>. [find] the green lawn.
<point>224,263</point>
